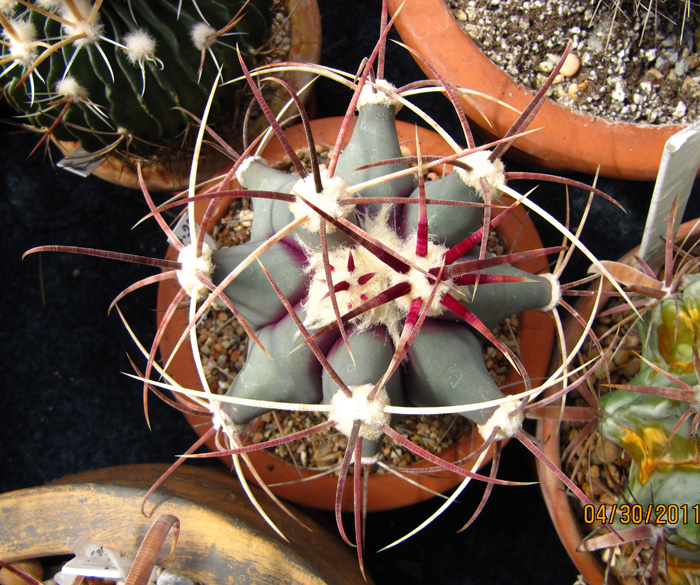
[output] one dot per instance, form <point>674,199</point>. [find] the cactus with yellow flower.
<point>654,418</point>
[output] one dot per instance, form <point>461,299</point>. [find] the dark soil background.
<point>68,408</point>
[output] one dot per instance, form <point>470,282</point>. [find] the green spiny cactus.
<point>656,428</point>
<point>124,75</point>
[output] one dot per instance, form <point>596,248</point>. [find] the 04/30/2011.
<point>638,514</point>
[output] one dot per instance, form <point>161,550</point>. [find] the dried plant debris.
<point>632,61</point>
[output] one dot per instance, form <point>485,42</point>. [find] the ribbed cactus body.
<point>128,87</point>
<point>444,366</point>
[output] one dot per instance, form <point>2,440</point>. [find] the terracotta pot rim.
<point>386,490</point>
<point>568,140</point>
<point>558,503</point>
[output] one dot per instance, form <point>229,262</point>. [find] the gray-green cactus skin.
<point>665,470</point>
<point>444,366</point>
<point>139,98</point>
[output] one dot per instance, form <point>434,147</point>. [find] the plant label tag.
<point>81,162</point>
<point>97,562</point>
<point>677,171</point>
<point>183,233</point>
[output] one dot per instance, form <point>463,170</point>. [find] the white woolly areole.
<point>490,172</point>
<point>345,410</point>
<point>243,167</point>
<point>318,307</point>
<point>140,46</point>
<point>334,189</point>
<point>7,6</point>
<point>556,292</point>
<point>373,94</point>
<point>221,421</point>
<point>76,17</point>
<point>22,47</point>
<point>202,36</point>
<point>70,88</point>
<point>421,287</point>
<point>506,419</point>
<point>191,264</point>
<point>48,4</point>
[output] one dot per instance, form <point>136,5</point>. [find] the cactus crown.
<point>125,76</point>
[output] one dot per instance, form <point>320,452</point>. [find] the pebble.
<point>631,368</point>
<point>571,65</point>
<point>653,75</point>
<point>607,451</point>
<point>622,356</point>
<point>681,68</point>
<point>680,110</point>
<point>607,499</point>
<point>691,86</point>
<point>546,66</point>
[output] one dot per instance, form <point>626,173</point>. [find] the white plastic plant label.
<point>92,560</point>
<point>677,171</point>
<point>81,162</point>
<point>184,234</point>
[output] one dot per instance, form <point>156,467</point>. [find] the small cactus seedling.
<point>365,290</point>
<point>125,77</point>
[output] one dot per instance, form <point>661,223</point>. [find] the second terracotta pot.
<point>565,139</point>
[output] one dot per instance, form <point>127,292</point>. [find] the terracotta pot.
<point>567,140</point>
<point>222,538</point>
<point>385,491</point>
<point>173,174</point>
<point>558,503</point>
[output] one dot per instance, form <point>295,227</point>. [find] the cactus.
<point>125,76</point>
<point>384,252</point>
<point>654,419</point>
<point>365,289</point>
<point>656,429</point>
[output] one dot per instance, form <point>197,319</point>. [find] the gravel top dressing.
<point>629,63</point>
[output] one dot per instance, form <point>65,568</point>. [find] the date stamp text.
<point>643,514</point>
